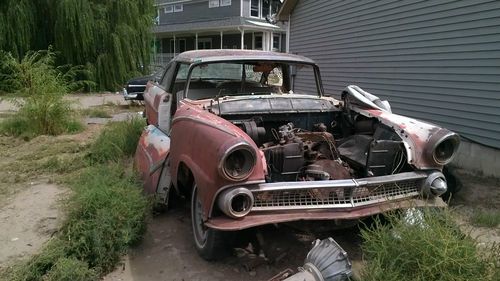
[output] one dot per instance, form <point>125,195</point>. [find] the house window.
<point>172,46</point>
<point>213,3</point>
<point>204,43</point>
<point>258,42</point>
<point>225,3</point>
<point>178,8</point>
<point>266,7</point>
<point>182,45</point>
<point>276,42</point>
<point>168,9</point>
<point>254,8</point>
<point>275,7</point>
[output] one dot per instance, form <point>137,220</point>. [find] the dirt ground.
<point>167,252</point>
<point>30,202</point>
<point>32,216</point>
<point>30,212</point>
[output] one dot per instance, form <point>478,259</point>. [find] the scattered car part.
<point>326,261</point>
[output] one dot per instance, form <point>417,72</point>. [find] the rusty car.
<point>250,138</point>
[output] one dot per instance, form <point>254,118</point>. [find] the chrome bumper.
<point>129,96</point>
<point>338,194</point>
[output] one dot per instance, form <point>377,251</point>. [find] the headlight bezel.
<point>449,141</point>
<point>250,157</point>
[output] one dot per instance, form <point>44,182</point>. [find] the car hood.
<point>143,80</point>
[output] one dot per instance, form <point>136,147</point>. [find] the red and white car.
<point>231,130</point>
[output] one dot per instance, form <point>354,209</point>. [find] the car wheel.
<point>211,244</point>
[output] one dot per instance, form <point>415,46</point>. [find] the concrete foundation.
<point>478,159</point>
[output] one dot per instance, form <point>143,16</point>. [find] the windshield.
<point>219,79</point>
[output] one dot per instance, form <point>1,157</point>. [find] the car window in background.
<point>217,71</point>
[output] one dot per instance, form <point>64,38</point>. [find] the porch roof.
<point>216,25</point>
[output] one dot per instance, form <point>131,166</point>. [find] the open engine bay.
<point>324,146</point>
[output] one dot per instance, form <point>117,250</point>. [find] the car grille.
<point>334,197</point>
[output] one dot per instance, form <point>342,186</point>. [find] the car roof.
<point>201,56</point>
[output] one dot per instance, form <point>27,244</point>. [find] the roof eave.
<point>286,9</point>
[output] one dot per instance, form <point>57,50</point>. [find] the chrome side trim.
<point>338,183</point>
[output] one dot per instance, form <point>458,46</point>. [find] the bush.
<point>70,269</point>
<point>107,215</point>
<point>434,250</point>
<point>486,218</point>
<point>117,141</point>
<point>37,266</point>
<point>44,111</point>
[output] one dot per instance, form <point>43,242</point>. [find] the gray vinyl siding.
<point>197,10</point>
<point>433,60</point>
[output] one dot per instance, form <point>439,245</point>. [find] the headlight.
<point>236,203</point>
<point>238,162</point>
<point>445,149</point>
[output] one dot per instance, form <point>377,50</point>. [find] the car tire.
<point>211,244</point>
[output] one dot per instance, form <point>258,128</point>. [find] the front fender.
<point>199,139</point>
<point>419,137</point>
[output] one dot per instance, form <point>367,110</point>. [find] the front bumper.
<point>331,199</point>
<point>132,95</point>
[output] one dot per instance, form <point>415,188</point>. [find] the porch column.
<point>175,47</point>
<point>221,38</point>
<point>196,41</point>
<point>242,39</point>
<point>271,41</point>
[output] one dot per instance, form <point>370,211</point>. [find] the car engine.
<point>295,154</point>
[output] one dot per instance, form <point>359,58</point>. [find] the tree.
<point>111,38</point>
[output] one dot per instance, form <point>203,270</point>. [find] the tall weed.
<point>117,141</point>
<point>43,111</point>
<point>433,250</point>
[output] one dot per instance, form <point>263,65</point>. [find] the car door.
<point>151,158</point>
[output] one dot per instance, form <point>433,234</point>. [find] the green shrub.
<point>486,218</point>
<point>37,266</point>
<point>107,215</point>
<point>118,140</point>
<point>43,111</point>
<point>434,250</point>
<point>96,112</point>
<point>70,269</point>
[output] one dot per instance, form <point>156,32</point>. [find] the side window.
<point>179,81</point>
<point>167,78</point>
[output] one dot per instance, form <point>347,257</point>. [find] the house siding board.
<point>246,8</point>
<point>198,10</point>
<point>434,60</point>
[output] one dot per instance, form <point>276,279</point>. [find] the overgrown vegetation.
<point>111,39</point>
<point>432,249</point>
<point>106,214</point>
<point>96,112</point>
<point>43,110</point>
<point>119,140</point>
<point>485,218</point>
